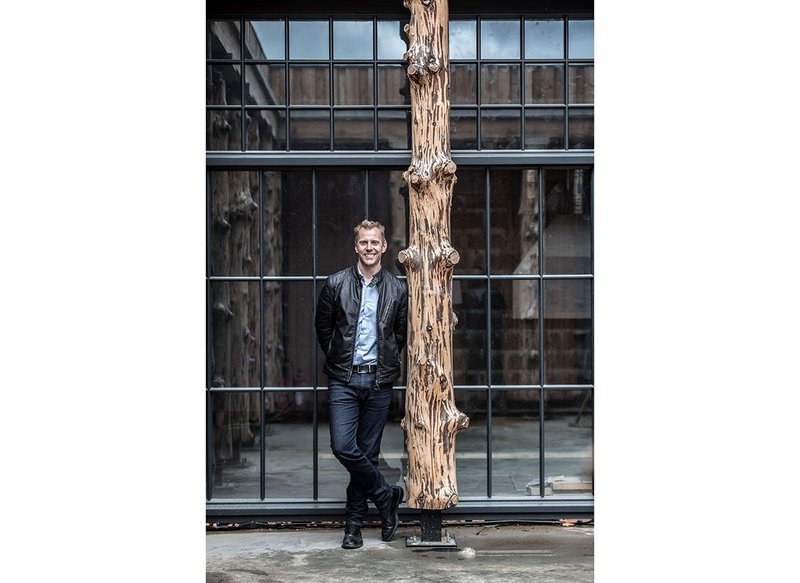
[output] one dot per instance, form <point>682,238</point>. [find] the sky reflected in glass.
<point>308,39</point>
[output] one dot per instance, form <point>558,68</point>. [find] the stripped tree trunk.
<point>431,419</point>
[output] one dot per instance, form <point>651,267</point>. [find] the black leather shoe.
<point>389,518</point>
<point>352,537</point>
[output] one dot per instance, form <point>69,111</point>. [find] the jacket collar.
<point>377,278</point>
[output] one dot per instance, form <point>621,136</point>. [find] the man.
<point>361,328</point>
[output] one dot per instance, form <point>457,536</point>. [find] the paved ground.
<point>544,553</point>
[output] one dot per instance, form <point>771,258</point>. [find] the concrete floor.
<point>543,553</point>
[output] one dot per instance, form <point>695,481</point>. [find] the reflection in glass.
<point>469,336</point>
<point>387,204</point>
<point>265,84</point>
<point>567,219</point>
<point>463,130</point>
<point>468,222</point>
<point>515,332</point>
<point>308,39</point>
<point>500,84</point>
<point>393,129</point>
<point>309,129</point>
<point>393,88</point>
<point>568,458</point>
<point>544,129</point>
<point>353,129</point>
<point>352,84</point>
<point>581,39</point>
<point>499,39</point>
<point>224,129</point>
<point>234,224</point>
<point>296,211</point>
<point>234,334</point>
<point>308,84</point>
<point>463,84</point>
<point>274,228</point>
<point>581,84</point>
<point>544,84</point>
<point>500,129</point>
<point>222,39</point>
<point>567,331</point>
<point>289,444</point>
<point>463,39</point>
<point>471,444</point>
<point>544,39</point>
<point>264,39</point>
<point>235,435</point>
<point>391,39</point>
<point>224,85</point>
<point>341,205</point>
<point>352,39</point>
<point>514,225</point>
<point>515,443</point>
<point>581,128</point>
<point>287,333</point>
<point>266,129</point>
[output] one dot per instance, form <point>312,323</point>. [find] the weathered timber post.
<point>431,419</point>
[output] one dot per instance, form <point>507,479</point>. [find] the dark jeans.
<point>358,412</point>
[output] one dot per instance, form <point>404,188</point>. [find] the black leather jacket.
<point>337,317</point>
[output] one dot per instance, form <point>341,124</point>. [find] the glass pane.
<point>581,84</point>
<point>463,129</point>
<point>224,129</point>
<point>310,129</point>
<point>294,218</point>
<point>581,128</point>
<point>352,39</point>
<point>469,335</point>
<point>393,86</point>
<point>568,460</point>
<point>463,39</point>
<point>224,85</point>
<point>544,129</point>
<point>468,221</point>
<point>288,332</point>
<point>567,220</point>
<point>234,334</point>
<point>392,41</point>
<point>471,445</point>
<point>393,129</point>
<point>352,85</point>
<point>265,39</point>
<point>514,204</point>
<point>567,331</point>
<point>353,129</point>
<point>515,332</point>
<point>515,443</point>
<point>308,85</point>
<point>265,84</point>
<point>500,84</point>
<point>499,39</point>
<point>500,129</point>
<point>308,39</point>
<point>266,129</point>
<point>341,205</point>
<point>289,471</point>
<point>272,214</point>
<point>235,435</point>
<point>544,84</point>
<point>544,39</point>
<point>387,204</point>
<point>463,84</point>
<point>224,39</point>
<point>234,223</point>
<point>581,39</point>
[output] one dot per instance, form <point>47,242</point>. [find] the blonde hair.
<point>367,224</point>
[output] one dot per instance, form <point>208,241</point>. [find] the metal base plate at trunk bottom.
<point>417,542</point>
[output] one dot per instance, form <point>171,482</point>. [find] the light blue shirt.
<point>366,351</point>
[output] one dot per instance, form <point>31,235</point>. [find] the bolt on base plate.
<point>447,541</point>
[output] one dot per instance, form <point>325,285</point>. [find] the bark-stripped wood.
<point>431,419</point>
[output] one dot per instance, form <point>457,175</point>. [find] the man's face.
<point>370,245</point>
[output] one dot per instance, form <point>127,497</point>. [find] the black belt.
<point>365,368</point>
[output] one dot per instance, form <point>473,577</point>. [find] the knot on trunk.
<point>409,257</point>
<point>451,256</point>
<point>223,311</point>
